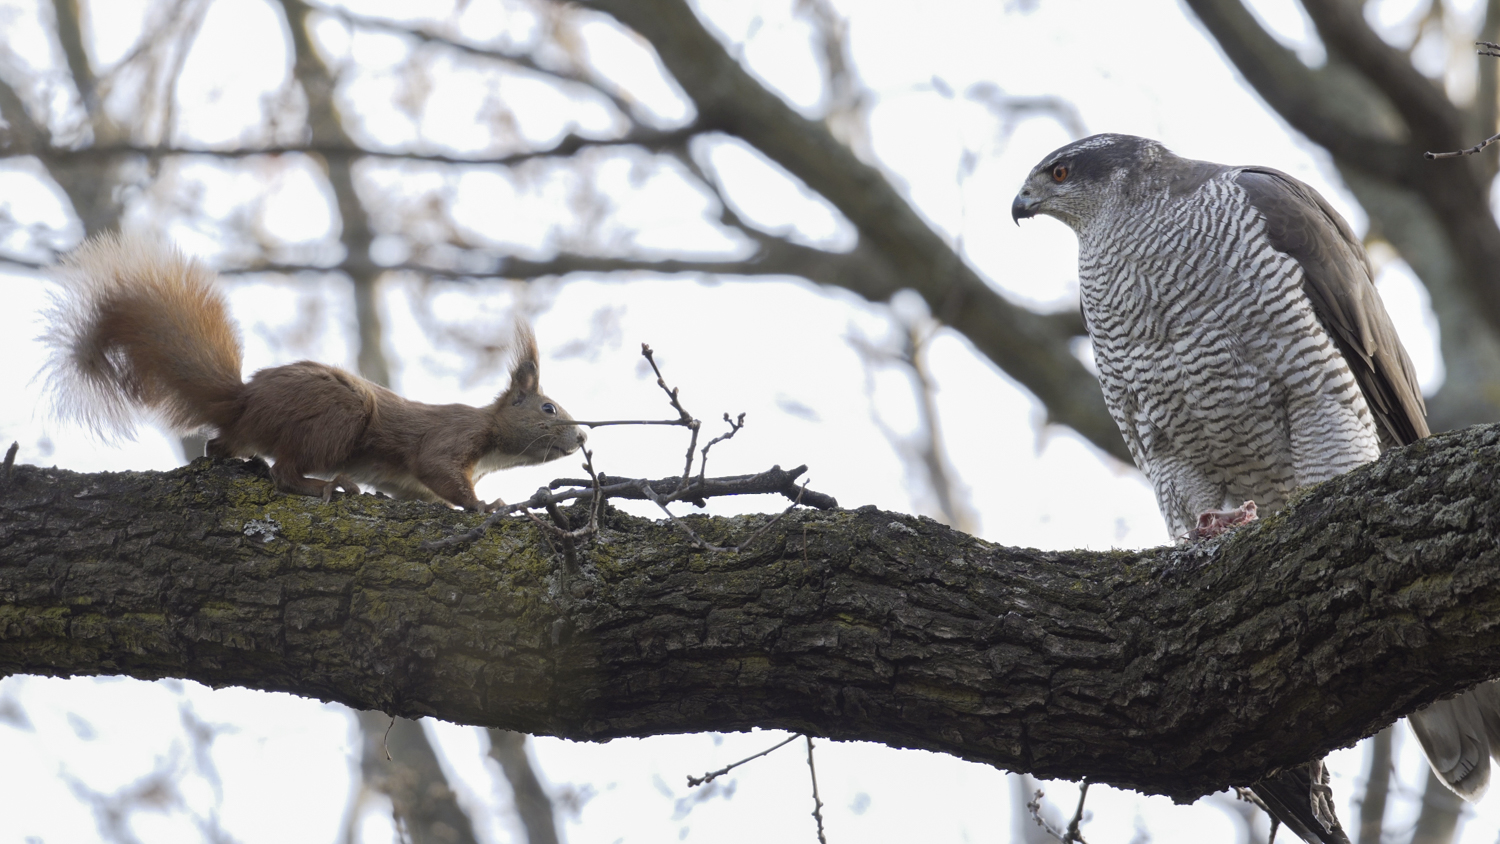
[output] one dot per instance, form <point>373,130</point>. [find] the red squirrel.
<point>136,325</point>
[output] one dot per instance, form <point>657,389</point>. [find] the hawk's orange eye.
<point>1059,172</point>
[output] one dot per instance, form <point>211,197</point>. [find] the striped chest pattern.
<point>1213,362</point>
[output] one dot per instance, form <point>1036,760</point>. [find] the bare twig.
<point>598,487</point>
<point>1071,835</point>
<point>687,419</point>
<point>662,502</point>
<point>709,777</point>
<point>597,510</point>
<point>767,526</point>
<point>1253,799</point>
<point>734,426</point>
<point>1433,156</point>
<point>776,480</point>
<point>561,529</point>
<point>817,811</point>
<point>685,485</point>
<point>609,422</point>
<point>1486,48</point>
<point>684,418</point>
<point>521,60</point>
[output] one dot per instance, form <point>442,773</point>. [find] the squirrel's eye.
<point>1060,172</point>
<point>549,408</point>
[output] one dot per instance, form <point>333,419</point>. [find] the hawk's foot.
<point>1216,522</point>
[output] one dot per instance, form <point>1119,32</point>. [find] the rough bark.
<point>1176,670</point>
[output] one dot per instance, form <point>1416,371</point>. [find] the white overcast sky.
<point>777,350</point>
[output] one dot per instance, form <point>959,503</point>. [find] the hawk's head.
<point>1073,181</point>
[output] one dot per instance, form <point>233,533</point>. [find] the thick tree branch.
<point>1176,670</point>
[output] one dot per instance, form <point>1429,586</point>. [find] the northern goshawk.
<point>1244,352</point>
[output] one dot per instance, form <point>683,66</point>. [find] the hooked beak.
<point>1023,206</point>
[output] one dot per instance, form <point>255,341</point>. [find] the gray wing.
<point>1337,278</point>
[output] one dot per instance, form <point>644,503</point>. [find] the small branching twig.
<point>598,487</point>
<point>685,419</point>
<point>1250,797</point>
<point>1486,48</point>
<point>734,428</point>
<point>768,525</point>
<point>773,481</point>
<point>661,381</point>
<point>709,777</point>
<point>1473,150</point>
<point>606,423</point>
<point>1071,835</point>
<point>817,811</point>
<point>561,529</point>
<point>596,512</point>
<point>662,501</point>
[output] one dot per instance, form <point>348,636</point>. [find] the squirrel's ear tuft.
<point>525,375</point>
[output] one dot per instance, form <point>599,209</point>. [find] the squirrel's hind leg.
<point>289,478</point>
<point>452,484</point>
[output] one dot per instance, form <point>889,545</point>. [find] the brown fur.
<point>137,325</point>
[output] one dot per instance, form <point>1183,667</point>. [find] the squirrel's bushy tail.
<point>136,325</point>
